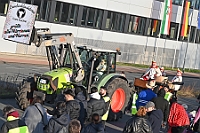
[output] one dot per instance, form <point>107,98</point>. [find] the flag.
<point>184,29</point>
<point>198,19</point>
<point>155,24</point>
<point>167,17</point>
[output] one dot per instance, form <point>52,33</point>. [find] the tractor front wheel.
<point>119,92</point>
<point>24,95</point>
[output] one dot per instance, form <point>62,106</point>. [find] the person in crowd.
<point>101,67</point>
<point>60,120</point>
<point>81,98</point>
<point>96,104</point>
<point>178,118</point>
<point>152,72</point>
<point>104,94</point>
<point>196,123</point>
<point>162,104</point>
<point>155,116</point>
<point>138,123</point>
<point>168,93</point>
<point>146,95</point>
<point>177,78</point>
<point>95,126</point>
<point>162,69</point>
<point>74,126</point>
<point>134,99</point>
<point>13,123</point>
<point>72,106</point>
<point>35,116</point>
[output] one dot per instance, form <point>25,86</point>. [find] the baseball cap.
<point>149,104</point>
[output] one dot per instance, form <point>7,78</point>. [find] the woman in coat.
<point>35,116</point>
<point>59,120</point>
<point>138,123</point>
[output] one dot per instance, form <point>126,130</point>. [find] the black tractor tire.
<point>111,88</point>
<point>24,95</point>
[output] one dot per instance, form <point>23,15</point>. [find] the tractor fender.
<point>109,78</point>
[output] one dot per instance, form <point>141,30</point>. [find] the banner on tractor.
<point>19,22</point>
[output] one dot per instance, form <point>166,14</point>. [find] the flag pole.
<point>188,36</point>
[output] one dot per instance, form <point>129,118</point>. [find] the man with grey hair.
<point>155,116</point>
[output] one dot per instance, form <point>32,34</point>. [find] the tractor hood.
<point>60,72</point>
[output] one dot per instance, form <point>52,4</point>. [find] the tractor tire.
<point>119,93</point>
<point>24,95</point>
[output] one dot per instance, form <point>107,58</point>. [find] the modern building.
<point>131,25</point>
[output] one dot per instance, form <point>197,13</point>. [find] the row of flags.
<point>165,25</point>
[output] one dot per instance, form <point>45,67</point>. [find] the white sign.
<point>19,22</point>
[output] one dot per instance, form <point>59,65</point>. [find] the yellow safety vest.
<point>105,116</point>
<point>134,109</point>
<point>168,95</point>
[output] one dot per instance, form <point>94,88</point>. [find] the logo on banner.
<point>21,13</point>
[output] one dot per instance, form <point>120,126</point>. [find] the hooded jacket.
<point>155,118</point>
<point>35,117</point>
<point>73,109</point>
<point>80,98</point>
<point>138,125</point>
<point>93,128</point>
<point>161,103</point>
<point>56,123</point>
<point>96,104</point>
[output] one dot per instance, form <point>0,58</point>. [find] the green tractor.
<point>72,65</point>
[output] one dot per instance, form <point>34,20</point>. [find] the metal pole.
<point>174,57</point>
<point>188,37</point>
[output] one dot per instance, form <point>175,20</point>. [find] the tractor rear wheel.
<point>24,95</point>
<point>119,92</point>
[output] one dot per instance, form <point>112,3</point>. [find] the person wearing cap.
<point>35,116</point>
<point>168,94</point>
<point>162,69</point>
<point>96,104</point>
<point>101,67</point>
<point>146,95</point>
<point>72,106</point>
<point>155,116</point>
<point>13,124</point>
<point>152,72</point>
<point>103,93</point>
<point>177,78</point>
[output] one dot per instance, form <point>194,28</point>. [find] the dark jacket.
<point>93,128</point>
<point>138,125</point>
<point>73,109</point>
<point>7,126</point>
<point>155,118</point>
<point>162,103</point>
<point>96,106</point>
<point>80,98</point>
<point>56,123</point>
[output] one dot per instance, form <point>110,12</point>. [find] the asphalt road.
<point>9,72</point>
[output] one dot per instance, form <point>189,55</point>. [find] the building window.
<point>91,17</point>
<point>45,9</point>
<point>192,34</point>
<point>73,14</point>
<point>137,25</point>
<point>173,31</point>
<point>57,12</point>
<point>115,21</point>
<point>4,6</point>
<point>197,40</point>
<point>177,2</point>
<point>65,12</point>
<point>153,28</point>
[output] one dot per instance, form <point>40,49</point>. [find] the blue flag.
<point>198,19</point>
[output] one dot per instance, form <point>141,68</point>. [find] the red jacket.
<point>178,116</point>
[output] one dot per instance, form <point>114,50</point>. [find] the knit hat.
<point>14,114</point>
<point>10,111</point>
<point>149,104</point>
